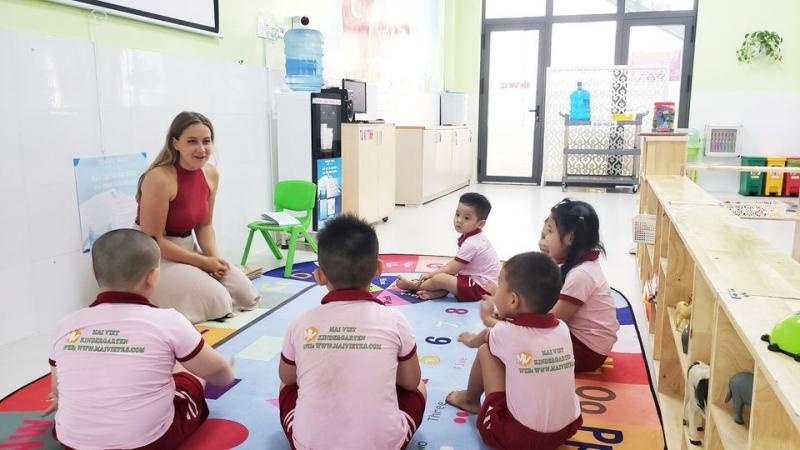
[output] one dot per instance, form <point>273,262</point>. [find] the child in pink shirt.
<point>526,367</point>
<point>571,236</point>
<point>350,377</point>
<point>115,383</point>
<point>474,270</point>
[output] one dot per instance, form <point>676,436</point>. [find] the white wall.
<point>54,106</point>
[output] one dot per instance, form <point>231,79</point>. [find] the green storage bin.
<point>751,183</point>
<point>693,147</point>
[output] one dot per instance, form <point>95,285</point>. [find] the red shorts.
<point>586,359</point>
<point>412,403</point>
<point>500,430</point>
<point>468,290</point>
<point>191,411</point>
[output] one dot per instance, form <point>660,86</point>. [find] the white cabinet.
<point>368,172</point>
<point>432,162</point>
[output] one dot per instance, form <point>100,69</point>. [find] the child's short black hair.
<point>536,278</point>
<point>477,202</point>
<point>121,258</point>
<point>348,252</point>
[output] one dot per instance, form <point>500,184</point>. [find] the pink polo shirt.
<point>114,364</point>
<point>479,258</point>
<point>595,323</point>
<point>347,351</point>
<point>540,370</point>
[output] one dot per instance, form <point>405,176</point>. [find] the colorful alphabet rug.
<point>618,402</point>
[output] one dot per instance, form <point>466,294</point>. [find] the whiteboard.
<point>191,15</point>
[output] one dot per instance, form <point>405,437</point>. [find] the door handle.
<point>536,113</point>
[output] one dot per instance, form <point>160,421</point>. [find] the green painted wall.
<point>237,25</point>
<point>463,43</point>
<point>721,26</point>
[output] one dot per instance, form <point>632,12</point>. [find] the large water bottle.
<point>303,50</point>
<point>579,104</point>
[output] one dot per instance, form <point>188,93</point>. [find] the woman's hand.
<point>215,266</point>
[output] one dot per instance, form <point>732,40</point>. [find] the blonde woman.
<point>176,199</point>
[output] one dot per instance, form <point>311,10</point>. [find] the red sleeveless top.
<point>190,205</point>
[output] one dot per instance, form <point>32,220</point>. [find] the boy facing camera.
<point>115,381</point>
<point>349,371</point>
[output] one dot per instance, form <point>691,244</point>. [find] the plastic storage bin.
<point>693,152</point>
<point>773,181</point>
<point>791,181</point>
<point>580,104</point>
<point>303,51</point>
<point>751,183</point>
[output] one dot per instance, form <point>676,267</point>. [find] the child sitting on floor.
<point>115,382</point>
<point>349,369</point>
<point>474,270</point>
<point>571,236</point>
<point>526,367</point>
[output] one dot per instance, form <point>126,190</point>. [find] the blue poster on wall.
<point>106,187</point>
<point>329,189</point>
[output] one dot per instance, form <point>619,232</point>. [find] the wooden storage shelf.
<point>731,434</point>
<point>672,414</point>
<point>703,251</point>
<point>676,336</point>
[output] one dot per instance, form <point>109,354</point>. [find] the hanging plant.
<point>759,43</point>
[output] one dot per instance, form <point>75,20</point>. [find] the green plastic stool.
<point>292,195</point>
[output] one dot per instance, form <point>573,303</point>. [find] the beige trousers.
<point>196,294</point>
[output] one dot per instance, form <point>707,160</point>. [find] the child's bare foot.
<point>471,340</point>
<point>430,295</point>
<point>459,400</point>
<point>406,284</point>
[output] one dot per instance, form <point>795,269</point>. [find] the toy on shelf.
<point>683,313</point>
<point>740,389</point>
<point>685,340</point>
<point>785,336</point>
<point>694,400</point>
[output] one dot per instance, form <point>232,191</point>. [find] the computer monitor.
<point>358,94</point>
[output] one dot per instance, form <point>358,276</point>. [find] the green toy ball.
<point>785,336</point>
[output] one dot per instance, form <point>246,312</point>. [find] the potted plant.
<point>757,43</point>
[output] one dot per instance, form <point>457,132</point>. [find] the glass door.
<point>511,104</point>
<point>660,42</point>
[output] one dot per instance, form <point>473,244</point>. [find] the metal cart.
<point>615,164</point>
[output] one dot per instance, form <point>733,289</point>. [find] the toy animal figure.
<point>683,312</point>
<point>685,340</point>
<point>694,400</point>
<point>740,389</point>
<point>785,336</point>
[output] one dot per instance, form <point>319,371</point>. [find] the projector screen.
<point>191,15</point>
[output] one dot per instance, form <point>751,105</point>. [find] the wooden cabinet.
<point>432,162</point>
<point>368,170</point>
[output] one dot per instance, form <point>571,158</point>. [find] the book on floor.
<point>279,218</point>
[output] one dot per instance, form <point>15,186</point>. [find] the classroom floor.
<point>513,227</point>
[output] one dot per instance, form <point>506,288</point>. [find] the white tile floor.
<point>513,227</point>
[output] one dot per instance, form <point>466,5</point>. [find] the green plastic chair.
<point>292,195</point>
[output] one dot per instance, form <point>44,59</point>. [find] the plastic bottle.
<point>303,51</point>
<point>579,104</point>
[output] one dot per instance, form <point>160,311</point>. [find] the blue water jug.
<point>303,50</point>
<point>579,104</point>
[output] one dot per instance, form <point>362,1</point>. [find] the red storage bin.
<point>791,182</point>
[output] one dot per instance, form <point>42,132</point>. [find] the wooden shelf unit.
<point>705,254</point>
